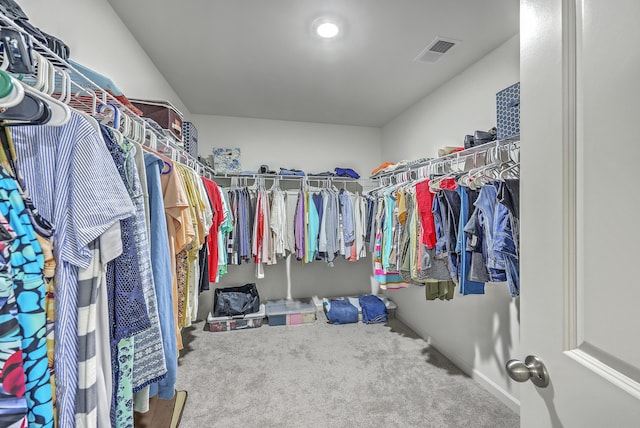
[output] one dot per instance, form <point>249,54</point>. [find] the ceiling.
<point>257,58</point>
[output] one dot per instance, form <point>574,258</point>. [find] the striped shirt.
<point>74,183</point>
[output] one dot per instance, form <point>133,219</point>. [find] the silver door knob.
<point>533,368</point>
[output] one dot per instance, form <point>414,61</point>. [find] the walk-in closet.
<point>327,213</point>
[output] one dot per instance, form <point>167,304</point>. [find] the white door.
<point>580,131</point>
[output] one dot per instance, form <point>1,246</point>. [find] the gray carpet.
<point>321,375</point>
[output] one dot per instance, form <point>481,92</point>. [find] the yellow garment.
<point>402,206</point>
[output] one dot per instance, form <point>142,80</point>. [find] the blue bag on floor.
<point>373,309</point>
<point>342,312</point>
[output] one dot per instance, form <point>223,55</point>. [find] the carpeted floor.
<point>321,375</point>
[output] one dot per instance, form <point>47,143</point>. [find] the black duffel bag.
<point>234,301</point>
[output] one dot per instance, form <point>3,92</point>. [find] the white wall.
<point>464,104</point>
<point>478,333</point>
<point>99,40</point>
<point>311,147</point>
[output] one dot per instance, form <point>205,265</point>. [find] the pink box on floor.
<point>290,312</point>
<point>294,319</point>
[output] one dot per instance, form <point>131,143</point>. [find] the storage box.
<point>508,112</point>
<point>290,312</point>
<point>190,135</point>
<point>236,323</point>
<point>164,113</point>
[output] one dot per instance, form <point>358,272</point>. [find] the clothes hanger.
<point>90,117</point>
<point>17,51</point>
<point>44,87</point>
<point>455,169</point>
<point>41,70</point>
<point>51,79</point>
<point>153,139</point>
<point>512,171</point>
<point>31,111</point>
<point>111,117</point>
<point>11,92</point>
<point>489,172</point>
<point>60,112</point>
<point>124,125</point>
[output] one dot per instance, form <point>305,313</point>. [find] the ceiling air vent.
<point>436,49</point>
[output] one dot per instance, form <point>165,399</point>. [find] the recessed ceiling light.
<point>327,30</point>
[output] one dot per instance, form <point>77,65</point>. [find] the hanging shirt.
<point>346,210</point>
<point>291,202</point>
<point>486,203</point>
<point>161,267</point>
<point>73,182</point>
<point>466,285</point>
<point>13,403</point>
<point>300,227</point>
<point>110,246</point>
<point>332,226</point>
<point>279,223</point>
<point>223,232</point>
<point>149,364</point>
<point>218,218</point>
<point>313,227</point>
<point>27,264</point>
<point>360,217</point>
<point>88,285</point>
<point>128,310</point>
<point>425,203</point>
<point>175,205</point>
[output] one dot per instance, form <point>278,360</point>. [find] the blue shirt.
<point>346,208</point>
<point>161,267</point>
<point>466,286</point>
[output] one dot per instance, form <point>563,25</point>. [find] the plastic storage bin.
<point>290,312</point>
<point>236,323</point>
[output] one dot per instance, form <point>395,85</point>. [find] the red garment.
<point>425,202</point>
<point>259,230</point>
<point>218,218</point>
<point>448,184</point>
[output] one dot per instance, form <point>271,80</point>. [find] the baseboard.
<point>496,390</point>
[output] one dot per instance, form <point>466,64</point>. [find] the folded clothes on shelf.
<point>391,168</point>
<point>381,167</point>
<point>284,171</point>
<point>105,83</point>
<point>323,174</point>
<point>447,150</point>
<point>346,172</point>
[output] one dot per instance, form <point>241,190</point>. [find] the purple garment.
<point>299,227</point>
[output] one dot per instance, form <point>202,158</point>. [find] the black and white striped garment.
<point>88,284</point>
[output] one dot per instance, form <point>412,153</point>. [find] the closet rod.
<point>102,96</point>
<point>462,155</point>
<point>288,177</point>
